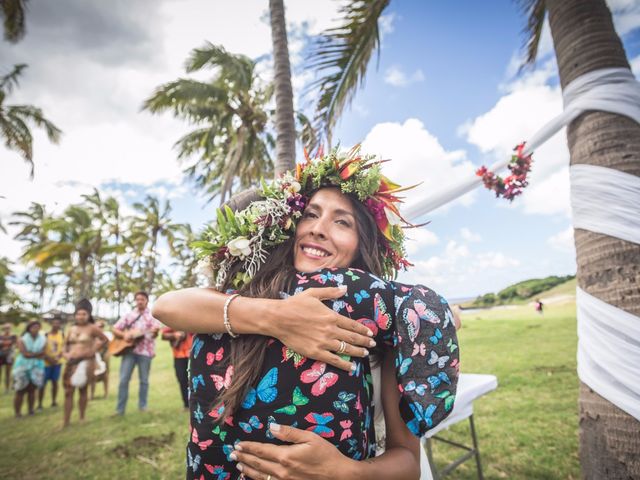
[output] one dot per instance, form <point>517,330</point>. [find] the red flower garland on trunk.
<point>511,186</point>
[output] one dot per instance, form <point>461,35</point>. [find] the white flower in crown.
<point>295,187</point>
<point>240,247</point>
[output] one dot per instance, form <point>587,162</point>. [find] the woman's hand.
<point>310,328</point>
<point>309,458</point>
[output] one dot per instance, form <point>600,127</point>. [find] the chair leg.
<point>475,447</point>
<point>432,465</point>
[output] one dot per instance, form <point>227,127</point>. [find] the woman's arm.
<point>100,336</point>
<point>401,458</point>
<point>200,310</point>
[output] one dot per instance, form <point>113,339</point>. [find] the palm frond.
<point>341,56</point>
<point>10,80</point>
<point>236,68</point>
<point>535,12</point>
<point>14,19</point>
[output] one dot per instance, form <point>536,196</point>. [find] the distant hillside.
<point>527,290</point>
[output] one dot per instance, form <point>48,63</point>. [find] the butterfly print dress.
<point>412,321</point>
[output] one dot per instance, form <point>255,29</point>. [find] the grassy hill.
<point>525,291</point>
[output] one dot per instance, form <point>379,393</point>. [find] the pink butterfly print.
<point>217,470</point>
<point>405,289</point>
<point>215,357</point>
<point>382,316</point>
<point>370,324</point>
<point>419,349</point>
<point>359,405</point>
<point>455,364</point>
<point>203,445</point>
<point>302,279</point>
<point>425,313</point>
<point>216,413</point>
<point>322,380</point>
<point>412,320</point>
<point>423,291</point>
<point>346,433</point>
<point>225,382</point>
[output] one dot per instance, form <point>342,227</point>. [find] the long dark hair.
<point>275,276</point>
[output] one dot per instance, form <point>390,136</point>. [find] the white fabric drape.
<point>609,352</point>
<point>606,201</point>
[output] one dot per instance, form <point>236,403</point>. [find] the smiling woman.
<point>298,362</point>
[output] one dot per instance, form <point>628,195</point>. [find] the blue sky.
<point>444,100</point>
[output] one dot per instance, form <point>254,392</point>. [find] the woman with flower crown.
<point>273,365</point>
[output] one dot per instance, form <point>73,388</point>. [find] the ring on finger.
<point>343,347</point>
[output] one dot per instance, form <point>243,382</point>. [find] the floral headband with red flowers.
<point>248,235</point>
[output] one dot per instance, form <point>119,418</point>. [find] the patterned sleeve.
<point>426,356</point>
<point>416,324</point>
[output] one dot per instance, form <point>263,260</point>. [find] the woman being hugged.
<point>329,232</point>
<point>83,340</point>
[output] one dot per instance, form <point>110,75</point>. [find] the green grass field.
<point>527,428</point>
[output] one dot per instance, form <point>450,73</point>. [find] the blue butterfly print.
<point>196,346</point>
<point>420,388</point>
<point>218,470</point>
<point>353,444</point>
<point>436,337</point>
<point>420,415</point>
<point>198,415</point>
<point>228,449</point>
<point>266,390</point>
<point>195,381</point>
<point>356,372</point>
<point>361,295</point>
<point>377,284</point>
<point>342,403</point>
<point>298,290</point>
<point>448,317</point>
<point>193,461</point>
<point>321,421</point>
<point>267,431</point>
<point>403,363</point>
<point>435,380</point>
<point>254,422</point>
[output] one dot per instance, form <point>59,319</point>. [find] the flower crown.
<point>249,235</point>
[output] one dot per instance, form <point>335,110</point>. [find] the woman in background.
<point>28,369</point>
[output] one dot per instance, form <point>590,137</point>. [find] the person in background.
<point>28,369</point>
<point>79,351</point>
<point>137,322</point>
<point>52,361</point>
<point>181,347</point>
<point>102,363</point>
<point>7,344</point>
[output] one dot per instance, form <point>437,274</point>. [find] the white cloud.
<point>563,240</point>
<point>398,78</point>
<point>417,156</point>
<point>386,23</point>
<point>469,236</point>
<point>419,240</point>
<point>497,260</point>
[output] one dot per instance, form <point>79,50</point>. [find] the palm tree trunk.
<point>608,268</point>
<point>285,126</point>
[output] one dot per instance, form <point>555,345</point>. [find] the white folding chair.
<point>470,387</point>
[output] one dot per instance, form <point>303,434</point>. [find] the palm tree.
<point>14,120</point>
<point>34,230</point>
<point>285,124</point>
<point>13,12</point>
<point>231,138</point>
<point>185,260</point>
<point>152,223</point>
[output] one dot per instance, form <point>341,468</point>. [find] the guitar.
<point>120,346</point>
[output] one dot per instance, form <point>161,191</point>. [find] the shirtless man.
<point>83,338</point>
